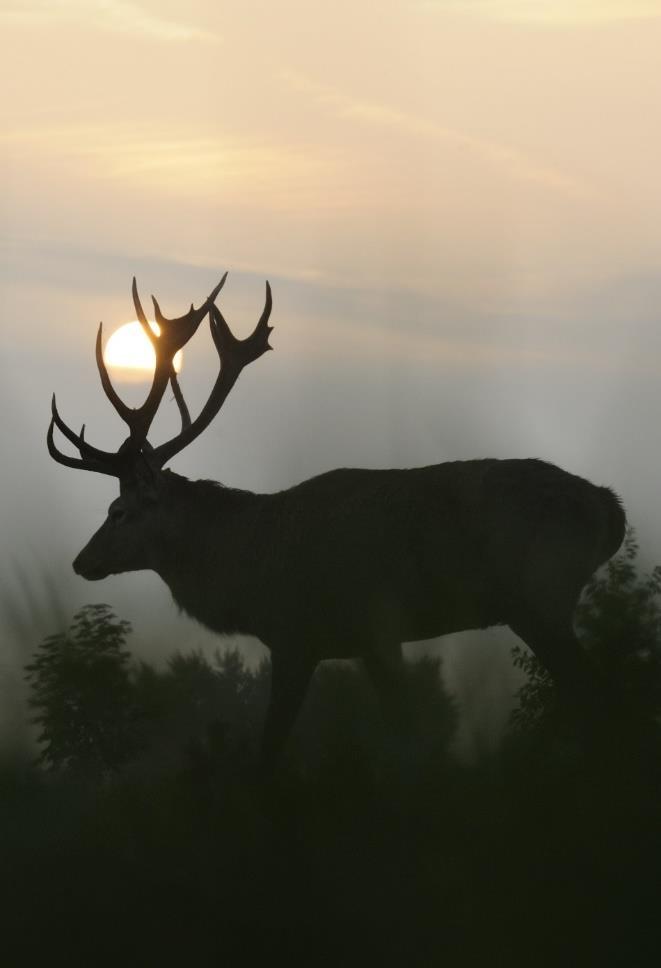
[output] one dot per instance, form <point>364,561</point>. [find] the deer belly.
<point>342,622</point>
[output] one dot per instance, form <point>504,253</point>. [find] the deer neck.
<point>207,551</point>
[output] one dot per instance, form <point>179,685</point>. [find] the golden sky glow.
<point>498,155</point>
<point>120,16</point>
<point>435,144</point>
<point>549,12</point>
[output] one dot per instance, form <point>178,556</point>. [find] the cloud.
<point>119,16</point>
<point>551,12</point>
<point>189,165</point>
<point>510,160</point>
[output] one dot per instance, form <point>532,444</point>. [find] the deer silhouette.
<point>351,563</point>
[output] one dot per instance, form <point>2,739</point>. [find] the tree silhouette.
<point>81,691</point>
<point>198,707</point>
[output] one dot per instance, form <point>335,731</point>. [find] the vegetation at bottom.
<point>144,833</point>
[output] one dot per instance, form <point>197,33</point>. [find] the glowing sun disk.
<point>129,349</point>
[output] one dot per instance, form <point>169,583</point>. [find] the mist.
<point>359,377</point>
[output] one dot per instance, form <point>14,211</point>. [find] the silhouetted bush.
<point>366,846</point>
<point>82,693</point>
<point>619,622</point>
<point>195,707</point>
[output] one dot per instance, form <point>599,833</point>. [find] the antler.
<point>174,334</point>
<point>233,353</point>
<point>91,458</point>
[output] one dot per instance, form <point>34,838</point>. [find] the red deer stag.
<point>350,563</point>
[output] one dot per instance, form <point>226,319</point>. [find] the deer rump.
<point>355,557</point>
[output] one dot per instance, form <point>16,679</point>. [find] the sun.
<point>129,349</point>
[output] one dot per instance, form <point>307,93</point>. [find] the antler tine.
<point>86,450</point>
<point>266,312</point>
<point>78,440</point>
<point>119,405</point>
<point>151,335</point>
<point>233,354</point>
<point>184,412</point>
<point>243,351</point>
<point>93,459</point>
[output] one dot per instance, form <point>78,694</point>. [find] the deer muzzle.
<point>87,568</point>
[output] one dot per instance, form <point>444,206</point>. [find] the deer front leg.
<point>290,677</point>
<point>385,666</point>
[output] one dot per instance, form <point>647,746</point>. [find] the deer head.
<point>127,538</point>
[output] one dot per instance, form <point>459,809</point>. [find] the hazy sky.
<point>457,203</point>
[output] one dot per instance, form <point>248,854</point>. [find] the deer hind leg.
<point>586,700</point>
<point>555,644</point>
<point>290,678</point>
<point>543,616</point>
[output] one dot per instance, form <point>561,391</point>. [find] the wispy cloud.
<point>184,164</point>
<point>551,12</point>
<point>120,16</point>
<point>510,160</point>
